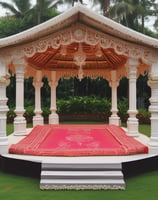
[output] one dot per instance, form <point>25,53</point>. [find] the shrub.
<point>45,113</point>
<point>29,113</point>
<point>85,105</point>
<point>143,116</point>
<point>90,106</point>
<point>11,115</point>
<point>123,108</point>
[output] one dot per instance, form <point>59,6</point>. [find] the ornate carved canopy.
<point>81,51</point>
<point>79,43</point>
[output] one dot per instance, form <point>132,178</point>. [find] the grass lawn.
<point>141,187</point>
<point>145,129</point>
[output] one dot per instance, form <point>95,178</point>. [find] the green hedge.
<point>90,106</point>
<point>83,105</point>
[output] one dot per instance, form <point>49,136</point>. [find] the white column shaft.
<point>37,98</point>
<point>153,108</point>
<point>53,117</point>
<point>114,119</point>
<point>4,81</point>
<point>20,92</point>
<point>132,123</point>
<point>132,94</point>
<point>19,121</point>
<point>53,107</point>
<point>38,119</point>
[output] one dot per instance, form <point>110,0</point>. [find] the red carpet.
<point>78,140</point>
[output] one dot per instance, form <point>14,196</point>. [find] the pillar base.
<point>20,126</point>
<point>153,141</point>
<point>114,120</point>
<point>53,118</point>
<point>38,120</point>
<point>153,150</point>
<point>153,145</point>
<point>132,127</point>
<point>3,145</point>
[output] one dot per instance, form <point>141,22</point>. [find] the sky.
<point>3,12</point>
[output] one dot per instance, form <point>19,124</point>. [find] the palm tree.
<point>131,12</point>
<point>104,5</point>
<point>121,11</point>
<point>44,9</point>
<point>144,10</point>
<point>21,8</point>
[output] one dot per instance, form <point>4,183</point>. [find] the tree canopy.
<point>131,13</point>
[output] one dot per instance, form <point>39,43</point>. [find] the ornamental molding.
<point>153,78</point>
<point>67,74</point>
<point>81,33</point>
<point>5,59</point>
<point>4,79</point>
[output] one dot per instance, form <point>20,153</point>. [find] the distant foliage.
<point>10,26</point>
<point>84,104</point>
<point>91,107</point>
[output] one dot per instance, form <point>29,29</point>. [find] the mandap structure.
<point>78,43</point>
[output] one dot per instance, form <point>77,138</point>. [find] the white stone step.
<point>84,166</point>
<point>79,181</point>
<point>81,174</point>
<point>78,184</point>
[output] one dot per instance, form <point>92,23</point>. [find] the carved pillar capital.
<point>53,84</point>
<point>113,82</point>
<point>53,81</point>
<point>132,65</point>
<point>37,84</point>
<point>5,79</point>
<point>4,75</point>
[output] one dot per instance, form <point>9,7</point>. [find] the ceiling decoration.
<point>78,57</point>
<point>82,34</point>
<point>80,49</point>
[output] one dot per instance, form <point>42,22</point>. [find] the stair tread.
<point>83,181</point>
<point>88,166</point>
<point>82,173</point>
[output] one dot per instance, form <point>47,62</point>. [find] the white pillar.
<point>38,119</point>
<point>114,119</point>
<point>19,121</point>
<point>4,81</point>
<point>53,117</point>
<point>132,123</point>
<point>153,83</point>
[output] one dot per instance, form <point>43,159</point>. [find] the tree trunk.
<point>38,11</point>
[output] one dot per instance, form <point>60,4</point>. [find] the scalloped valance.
<point>80,33</point>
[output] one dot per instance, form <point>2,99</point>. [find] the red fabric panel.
<point>78,140</point>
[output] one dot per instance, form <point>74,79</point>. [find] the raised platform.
<point>31,166</point>
<point>79,172</point>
